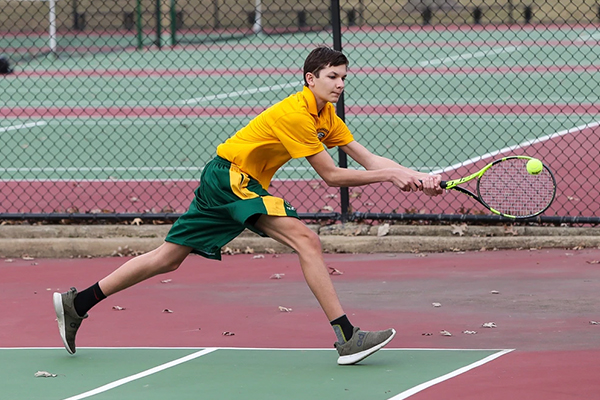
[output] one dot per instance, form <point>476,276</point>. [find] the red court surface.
<point>543,308</point>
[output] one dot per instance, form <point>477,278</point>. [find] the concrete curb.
<point>72,241</point>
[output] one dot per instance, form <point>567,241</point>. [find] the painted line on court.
<point>518,146</point>
<point>142,374</point>
<point>466,56</point>
<point>423,386</point>
<point>22,126</point>
<point>240,93</point>
<point>584,38</point>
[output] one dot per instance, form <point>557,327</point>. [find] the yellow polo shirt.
<point>289,129</point>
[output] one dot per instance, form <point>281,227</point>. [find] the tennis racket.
<point>506,188</point>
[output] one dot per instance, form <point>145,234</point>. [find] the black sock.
<point>343,328</point>
<point>88,298</point>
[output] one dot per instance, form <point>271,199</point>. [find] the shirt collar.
<point>310,101</point>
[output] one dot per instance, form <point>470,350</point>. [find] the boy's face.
<point>328,87</point>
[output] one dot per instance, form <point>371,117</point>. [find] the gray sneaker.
<point>362,345</point>
<point>68,320</point>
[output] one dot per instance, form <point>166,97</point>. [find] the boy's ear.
<point>310,77</point>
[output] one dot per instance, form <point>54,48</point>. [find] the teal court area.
<point>227,373</point>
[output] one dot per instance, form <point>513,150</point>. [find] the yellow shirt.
<point>289,129</point>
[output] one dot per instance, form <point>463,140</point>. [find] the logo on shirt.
<point>321,133</point>
<point>288,206</point>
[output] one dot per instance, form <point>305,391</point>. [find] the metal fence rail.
<point>110,109</point>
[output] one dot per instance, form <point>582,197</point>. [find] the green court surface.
<point>185,373</point>
<point>97,148</point>
<point>387,69</point>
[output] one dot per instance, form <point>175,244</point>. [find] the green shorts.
<point>226,202</point>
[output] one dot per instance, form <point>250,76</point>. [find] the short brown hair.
<point>321,58</point>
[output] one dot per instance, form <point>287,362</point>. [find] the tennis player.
<point>233,196</point>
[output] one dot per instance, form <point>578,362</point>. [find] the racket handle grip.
<point>443,184</point>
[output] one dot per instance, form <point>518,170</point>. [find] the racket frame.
<point>453,185</point>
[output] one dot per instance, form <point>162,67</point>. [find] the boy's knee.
<point>309,240</point>
<point>170,267</point>
<point>165,261</point>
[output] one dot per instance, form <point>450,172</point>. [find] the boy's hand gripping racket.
<point>510,187</point>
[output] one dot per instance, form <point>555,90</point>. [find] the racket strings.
<point>508,188</point>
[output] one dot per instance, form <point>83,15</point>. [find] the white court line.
<point>423,386</point>
<point>518,146</point>
<point>239,93</point>
<point>22,126</point>
<point>466,56</point>
<point>586,37</point>
<point>142,374</point>
<point>432,349</point>
<point>119,169</point>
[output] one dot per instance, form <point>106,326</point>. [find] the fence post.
<point>138,23</point>
<point>173,14</point>
<point>336,25</point>
<point>158,24</point>
<point>528,14</point>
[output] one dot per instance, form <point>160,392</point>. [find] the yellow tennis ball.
<point>534,166</point>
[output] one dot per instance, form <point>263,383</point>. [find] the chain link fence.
<point>110,109</point>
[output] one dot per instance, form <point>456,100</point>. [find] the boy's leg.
<point>294,233</point>
<point>165,258</point>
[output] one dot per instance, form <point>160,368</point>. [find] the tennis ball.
<point>534,166</point>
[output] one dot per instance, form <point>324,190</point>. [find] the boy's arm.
<point>370,161</point>
<point>335,176</point>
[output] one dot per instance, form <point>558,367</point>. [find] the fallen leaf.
<point>166,281</point>
<point>26,257</point>
<point>330,196</point>
<point>227,333</point>
<point>594,323</point>
<point>334,271</point>
<point>445,333</point>
<point>268,250</point>
<point>276,276</point>
<point>470,332</point>
<point>495,292</point>
<point>489,325</point>
<point>227,250</point>
<point>166,310</point>
<point>327,208</point>
<point>285,309</point>
<point>9,260</point>
<point>459,229</point>
<point>589,262</point>
<point>118,308</point>
<point>259,256</point>
<point>137,221</point>
<point>248,250</point>
<point>44,374</point>
<point>427,334</point>
<point>436,304</point>
<point>383,230</point>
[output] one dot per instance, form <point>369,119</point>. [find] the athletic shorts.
<point>226,202</point>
